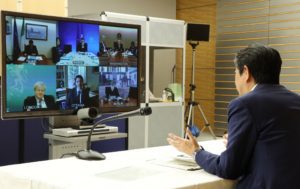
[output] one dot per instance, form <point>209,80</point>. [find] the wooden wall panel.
<point>271,22</point>
<point>200,12</point>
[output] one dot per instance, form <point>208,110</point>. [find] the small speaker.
<point>197,32</point>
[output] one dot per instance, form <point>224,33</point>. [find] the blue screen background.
<point>71,32</point>
<point>20,81</point>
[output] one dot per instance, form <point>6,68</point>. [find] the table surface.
<point>39,60</point>
<point>125,169</point>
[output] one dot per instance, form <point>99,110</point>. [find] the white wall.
<point>155,8</point>
<point>163,61</point>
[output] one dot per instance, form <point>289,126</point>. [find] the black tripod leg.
<point>207,125</point>
<point>188,113</point>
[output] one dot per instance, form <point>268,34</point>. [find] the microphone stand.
<point>90,154</point>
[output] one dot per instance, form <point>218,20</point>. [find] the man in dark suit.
<point>103,47</point>
<point>57,52</point>
<point>78,97</point>
<point>133,48</point>
<point>118,45</point>
<point>30,49</point>
<point>111,91</point>
<point>263,127</point>
<point>39,100</point>
<point>82,46</point>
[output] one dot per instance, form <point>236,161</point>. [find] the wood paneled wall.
<point>239,23</point>
<point>200,12</point>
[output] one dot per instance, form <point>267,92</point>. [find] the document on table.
<point>22,58</point>
<point>177,162</point>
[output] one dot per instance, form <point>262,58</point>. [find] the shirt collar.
<point>37,99</point>
<point>253,87</point>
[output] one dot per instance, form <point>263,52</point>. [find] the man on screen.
<point>263,127</point>
<point>31,49</point>
<point>82,46</point>
<point>39,100</point>
<point>78,97</point>
<point>118,44</point>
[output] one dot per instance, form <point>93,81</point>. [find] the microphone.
<point>89,154</point>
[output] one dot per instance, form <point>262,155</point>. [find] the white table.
<point>126,169</point>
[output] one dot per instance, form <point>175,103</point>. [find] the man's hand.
<point>186,145</point>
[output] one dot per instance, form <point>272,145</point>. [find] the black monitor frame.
<point>47,113</point>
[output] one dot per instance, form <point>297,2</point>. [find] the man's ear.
<point>246,73</point>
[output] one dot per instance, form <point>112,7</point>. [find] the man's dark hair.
<point>264,63</point>
<point>119,35</point>
<point>78,76</point>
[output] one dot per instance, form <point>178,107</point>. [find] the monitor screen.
<point>55,65</point>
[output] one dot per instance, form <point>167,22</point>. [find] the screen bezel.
<point>47,113</point>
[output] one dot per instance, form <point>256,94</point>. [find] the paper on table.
<point>21,58</point>
<point>177,164</point>
<point>39,58</point>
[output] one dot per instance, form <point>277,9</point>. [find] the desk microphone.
<point>89,154</point>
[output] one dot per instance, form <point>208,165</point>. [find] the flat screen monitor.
<point>55,65</point>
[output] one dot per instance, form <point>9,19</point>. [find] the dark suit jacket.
<point>79,47</point>
<point>102,47</point>
<point>118,47</point>
<point>31,50</point>
<point>109,92</point>
<point>73,99</point>
<point>56,54</point>
<point>31,104</point>
<point>263,146</point>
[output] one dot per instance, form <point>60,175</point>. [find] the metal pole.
<point>193,82</point>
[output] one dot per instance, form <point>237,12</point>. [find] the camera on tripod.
<point>195,33</point>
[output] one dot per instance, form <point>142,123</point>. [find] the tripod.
<point>192,103</point>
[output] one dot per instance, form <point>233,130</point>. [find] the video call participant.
<point>112,91</point>
<point>39,100</point>
<point>81,46</point>
<point>30,49</point>
<point>263,127</point>
<point>133,48</point>
<point>102,46</point>
<point>78,97</point>
<point>118,45</point>
<point>57,51</point>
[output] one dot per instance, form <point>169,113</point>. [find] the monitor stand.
<point>59,149</point>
